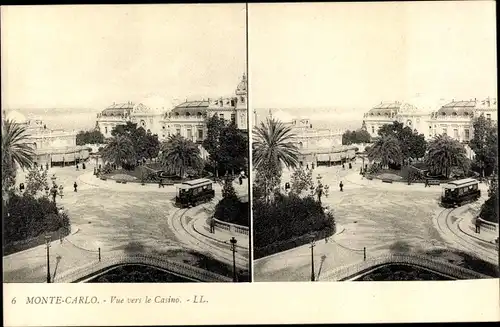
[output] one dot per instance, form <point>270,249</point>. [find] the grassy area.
<point>397,272</point>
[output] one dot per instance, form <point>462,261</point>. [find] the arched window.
<point>188,114</point>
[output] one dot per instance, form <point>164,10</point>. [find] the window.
<point>373,129</point>
<point>106,130</point>
<point>178,131</point>
<point>455,133</point>
<point>221,116</point>
<point>445,131</point>
<point>467,134</point>
<point>488,116</point>
<point>233,118</point>
<point>189,133</point>
<point>200,134</point>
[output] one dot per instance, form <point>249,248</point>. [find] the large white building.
<point>453,118</point>
<point>186,119</point>
<point>54,147</point>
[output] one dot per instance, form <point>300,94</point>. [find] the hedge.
<point>29,218</point>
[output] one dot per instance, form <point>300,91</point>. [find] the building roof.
<point>118,109</point>
<point>457,108</point>
<point>191,108</point>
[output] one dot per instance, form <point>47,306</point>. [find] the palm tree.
<point>386,150</point>
<point>273,147</point>
<point>179,154</point>
<point>444,153</point>
<point>119,150</point>
<point>15,151</point>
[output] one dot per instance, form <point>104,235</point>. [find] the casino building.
<point>55,147</point>
<point>316,146</point>
<point>186,119</point>
<point>452,118</point>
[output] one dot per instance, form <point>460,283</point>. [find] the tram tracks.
<point>443,224</point>
<point>188,238</point>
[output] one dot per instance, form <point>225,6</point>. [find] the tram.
<point>192,193</point>
<point>460,192</point>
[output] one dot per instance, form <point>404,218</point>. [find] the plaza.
<point>110,219</point>
<point>381,219</point>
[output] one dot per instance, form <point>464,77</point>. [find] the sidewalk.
<point>467,226</point>
<point>223,236</point>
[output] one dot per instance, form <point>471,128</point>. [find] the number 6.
<point>13,300</point>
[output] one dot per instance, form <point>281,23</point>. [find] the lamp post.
<point>47,243</point>
<point>313,244</point>
<point>233,248</point>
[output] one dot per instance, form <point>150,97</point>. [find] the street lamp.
<point>47,243</point>
<point>233,248</point>
<point>313,244</point>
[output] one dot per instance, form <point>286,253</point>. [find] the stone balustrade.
<point>91,269</point>
<point>231,227</point>
<point>351,272</point>
<point>488,224</point>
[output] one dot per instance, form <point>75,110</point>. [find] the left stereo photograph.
<point>125,146</point>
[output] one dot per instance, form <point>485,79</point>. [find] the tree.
<point>119,151</point>
<point>301,181</point>
<point>15,152</point>
<point>393,129</point>
<point>36,181</point>
<point>152,146</point>
<point>484,143</point>
<point>412,144</point>
<point>179,154</point>
<point>233,149</point>
<point>356,137</point>
<point>211,143</point>
<point>443,154</point>
<point>145,145</point>
<point>89,137</point>
<point>273,147</point>
<point>386,150</point>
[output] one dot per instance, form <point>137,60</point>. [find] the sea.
<point>334,118</point>
<point>85,118</point>
<point>64,118</point>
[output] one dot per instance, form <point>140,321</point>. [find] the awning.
<point>323,157</point>
<point>336,156</point>
<point>57,158</point>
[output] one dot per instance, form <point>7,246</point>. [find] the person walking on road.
<point>478,226</point>
<point>75,187</point>
<point>341,185</point>
<point>212,226</point>
<point>426,182</point>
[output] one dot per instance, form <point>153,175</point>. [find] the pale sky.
<point>358,54</point>
<point>90,56</point>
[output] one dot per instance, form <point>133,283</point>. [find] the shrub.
<point>30,217</point>
<point>288,217</point>
<point>232,211</point>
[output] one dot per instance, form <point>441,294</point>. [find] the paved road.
<point>116,218</point>
<point>383,218</point>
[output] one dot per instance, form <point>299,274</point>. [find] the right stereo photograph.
<point>374,141</point>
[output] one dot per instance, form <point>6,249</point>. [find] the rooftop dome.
<point>16,116</point>
<point>242,87</point>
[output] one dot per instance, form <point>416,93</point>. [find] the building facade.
<point>187,119</point>
<point>52,147</point>
<point>453,118</point>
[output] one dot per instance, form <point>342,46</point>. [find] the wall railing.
<point>95,267</point>
<point>356,270</point>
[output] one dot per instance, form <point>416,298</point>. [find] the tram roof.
<point>461,183</point>
<point>196,182</point>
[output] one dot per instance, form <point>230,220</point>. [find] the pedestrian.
<point>160,183</point>
<point>341,187</point>
<point>343,167</point>
<point>77,167</point>
<point>212,226</point>
<point>307,166</point>
<point>47,166</point>
<point>426,182</point>
<point>83,165</point>
<point>478,226</point>
<point>75,186</point>
<point>240,179</point>
<point>312,166</point>
<point>54,193</point>
<point>350,165</point>
<point>21,187</point>
<point>61,190</point>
